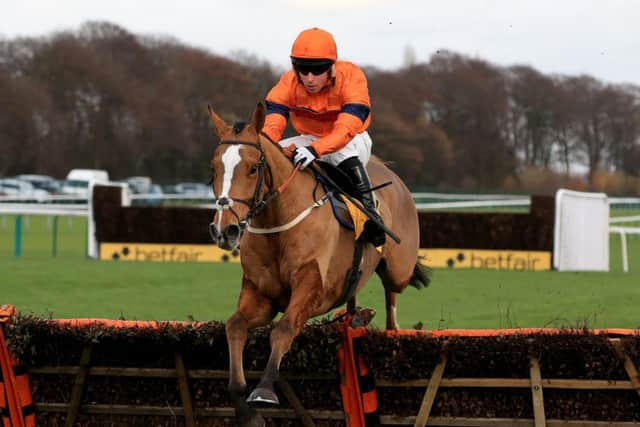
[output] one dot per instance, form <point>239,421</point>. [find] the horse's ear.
<point>258,117</point>
<point>220,126</point>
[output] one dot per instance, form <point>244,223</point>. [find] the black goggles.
<point>316,70</point>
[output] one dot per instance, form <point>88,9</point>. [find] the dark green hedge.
<point>569,354</point>
<point>530,231</point>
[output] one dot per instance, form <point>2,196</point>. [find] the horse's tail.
<point>421,276</point>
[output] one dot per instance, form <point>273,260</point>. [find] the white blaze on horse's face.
<point>230,159</point>
<point>227,236</point>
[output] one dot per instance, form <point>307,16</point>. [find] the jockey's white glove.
<point>304,156</point>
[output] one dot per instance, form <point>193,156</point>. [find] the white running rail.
<point>623,231</point>
<point>44,209</point>
<point>522,202</point>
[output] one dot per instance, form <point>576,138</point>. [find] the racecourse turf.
<point>70,285</point>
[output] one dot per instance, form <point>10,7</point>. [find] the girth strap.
<point>353,275</point>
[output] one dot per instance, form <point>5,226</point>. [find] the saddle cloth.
<point>350,216</point>
<point>346,213</point>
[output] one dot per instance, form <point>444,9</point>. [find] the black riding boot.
<point>356,171</point>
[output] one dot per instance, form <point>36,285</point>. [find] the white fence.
<point>42,209</point>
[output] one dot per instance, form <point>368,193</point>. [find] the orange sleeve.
<point>274,126</point>
<point>353,117</point>
<point>356,89</point>
<point>278,106</point>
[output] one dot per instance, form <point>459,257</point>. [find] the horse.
<point>294,255</point>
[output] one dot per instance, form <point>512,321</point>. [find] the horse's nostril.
<point>213,232</point>
<point>232,232</point>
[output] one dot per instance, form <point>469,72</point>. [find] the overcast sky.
<point>600,38</point>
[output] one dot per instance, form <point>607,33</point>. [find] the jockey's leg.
<point>351,159</point>
<point>306,284</point>
<point>356,171</point>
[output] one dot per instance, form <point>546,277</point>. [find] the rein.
<point>255,205</point>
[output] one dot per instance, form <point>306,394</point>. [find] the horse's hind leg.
<point>395,275</point>
<point>306,285</point>
<point>390,305</point>
<point>253,310</point>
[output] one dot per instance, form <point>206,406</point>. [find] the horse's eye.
<point>253,169</point>
<point>213,176</point>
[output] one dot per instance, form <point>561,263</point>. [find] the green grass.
<point>70,285</point>
<point>149,291</point>
<point>37,236</point>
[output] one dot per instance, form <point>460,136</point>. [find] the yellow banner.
<point>165,252</point>
<point>491,259</point>
<point>451,258</point>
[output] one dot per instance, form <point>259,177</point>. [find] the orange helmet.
<point>314,46</point>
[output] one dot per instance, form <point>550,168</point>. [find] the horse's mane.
<point>273,143</point>
<point>387,163</point>
<point>265,136</point>
<point>238,127</point>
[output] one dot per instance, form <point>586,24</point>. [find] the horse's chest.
<point>266,277</point>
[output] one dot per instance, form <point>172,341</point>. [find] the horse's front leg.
<point>306,292</point>
<point>253,310</point>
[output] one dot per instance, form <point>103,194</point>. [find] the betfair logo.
<point>451,262</point>
<point>165,253</point>
<point>476,258</point>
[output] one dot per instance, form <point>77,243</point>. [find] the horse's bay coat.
<point>301,271</point>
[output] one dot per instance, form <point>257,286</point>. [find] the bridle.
<point>255,204</point>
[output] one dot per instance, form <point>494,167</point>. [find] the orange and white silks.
<point>335,115</point>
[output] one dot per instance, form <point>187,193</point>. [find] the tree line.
<point>103,97</point>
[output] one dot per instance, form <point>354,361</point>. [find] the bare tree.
<point>531,98</point>
<point>473,99</point>
<point>107,98</point>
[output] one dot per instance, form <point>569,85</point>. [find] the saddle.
<point>347,215</point>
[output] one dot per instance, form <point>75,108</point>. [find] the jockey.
<point>328,103</point>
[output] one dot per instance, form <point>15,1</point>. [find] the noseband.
<point>256,206</point>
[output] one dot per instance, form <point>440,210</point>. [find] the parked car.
<point>43,182</point>
<point>139,184</point>
<point>78,180</point>
<point>169,189</point>
<point>195,189</point>
<point>13,187</point>
<point>156,192</point>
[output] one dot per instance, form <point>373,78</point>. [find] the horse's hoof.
<point>249,418</point>
<point>256,421</point>
<point>263,395</point>
<point>362,317</point>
